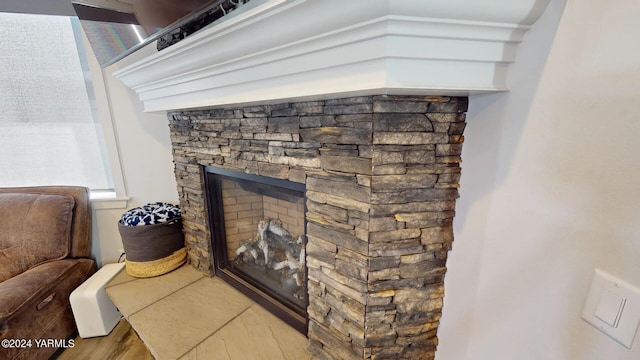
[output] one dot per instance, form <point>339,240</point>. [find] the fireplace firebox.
<point>258,239</point>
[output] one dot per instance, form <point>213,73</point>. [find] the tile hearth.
<point>187,315</point>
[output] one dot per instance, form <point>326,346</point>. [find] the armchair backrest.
<point>73,221</point>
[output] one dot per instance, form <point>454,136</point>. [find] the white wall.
<point>142,140</point>
<point>550,190</point>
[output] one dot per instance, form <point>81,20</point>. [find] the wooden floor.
<point>121,344</point>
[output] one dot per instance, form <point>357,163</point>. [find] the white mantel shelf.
<point>286,50</point>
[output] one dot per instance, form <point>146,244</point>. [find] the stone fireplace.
<point>364,104</point>
<point>381,175</point>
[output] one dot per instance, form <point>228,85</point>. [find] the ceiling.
<point>50,7</point>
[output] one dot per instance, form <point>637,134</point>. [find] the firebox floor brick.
<point>185,315</point>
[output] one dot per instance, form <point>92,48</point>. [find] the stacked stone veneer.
<point>381,174</point>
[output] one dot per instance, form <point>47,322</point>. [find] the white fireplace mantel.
<point>279,50</point>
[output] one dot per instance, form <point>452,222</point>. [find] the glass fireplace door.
<point>258,237</point>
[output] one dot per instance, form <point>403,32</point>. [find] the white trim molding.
<point>117,198</point>
<point>275,50</point>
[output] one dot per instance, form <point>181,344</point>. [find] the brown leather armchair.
<point>45,240</point>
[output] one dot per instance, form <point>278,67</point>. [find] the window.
<point>50,133</point>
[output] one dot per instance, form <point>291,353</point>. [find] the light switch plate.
<point>618,320</point>
<point>610,307</point>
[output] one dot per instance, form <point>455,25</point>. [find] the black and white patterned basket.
<point>152,239</point>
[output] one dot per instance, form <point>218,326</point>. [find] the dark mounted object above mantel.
<point>117,28</point>
<point>91,13</point>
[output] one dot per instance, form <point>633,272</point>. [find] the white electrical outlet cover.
<point>604,287</point>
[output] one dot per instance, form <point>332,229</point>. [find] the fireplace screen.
<point>258,238</point>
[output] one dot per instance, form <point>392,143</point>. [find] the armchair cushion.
<point>35,305</point>
<point>35,286</point>
<point>36,228</point>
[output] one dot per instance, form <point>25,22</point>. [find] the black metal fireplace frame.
<point>280,307</point>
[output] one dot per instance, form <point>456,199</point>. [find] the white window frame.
<point>117,199</point>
